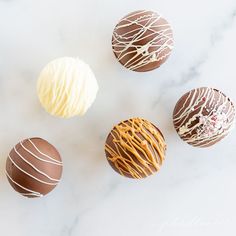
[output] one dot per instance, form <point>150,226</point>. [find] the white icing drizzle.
<point>208,128</point>
<point>31,192</point>
<point>49,159</point>
<point>53,161</point>
<point>35,168</point>
<point>25,172</point>
<point>147,25</point>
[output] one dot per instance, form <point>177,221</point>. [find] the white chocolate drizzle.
<point>34,167</point>
<point>205,117</point>
<point>136,28</point>
<point>31,192</point>
<point>51,160</point>
<point>48,159</point>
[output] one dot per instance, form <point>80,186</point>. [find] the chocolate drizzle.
<point>203,116</point>
<point>135,148</point>
<point>142,40</point>
<point>33,167</point>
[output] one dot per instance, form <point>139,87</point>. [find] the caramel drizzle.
<point>143,145</point>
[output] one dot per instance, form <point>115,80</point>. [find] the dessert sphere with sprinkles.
<point>142,40</point>
<point>135,148</point>
<point>34,167</point>
<point>203,116</point>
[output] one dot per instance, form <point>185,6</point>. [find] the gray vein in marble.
<point>217,35</point>
<point>194,71</point>
<point>71,229</point>
<point>188,76</point>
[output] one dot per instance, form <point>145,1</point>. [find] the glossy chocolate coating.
<point>34,167</point>
<point>142,40</point>
<point>203,116</point>
<point>135,148</point>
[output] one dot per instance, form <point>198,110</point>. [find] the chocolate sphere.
<point>142,40</point>
<point>203,116</point>
<point>67,87</point>
<point>34,167</point>
<point>135,148</point>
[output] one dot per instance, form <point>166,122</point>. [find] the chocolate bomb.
<point>203,116</point>
<point>135,148</point>
<point>33,167</point>
<point>142,40</point>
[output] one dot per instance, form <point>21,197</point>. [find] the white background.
<point>195,191</point>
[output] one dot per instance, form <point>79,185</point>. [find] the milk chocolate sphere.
<point>33,167</point>
<point>135,148</point>
<point>203,116</point>
<point>142,40</point>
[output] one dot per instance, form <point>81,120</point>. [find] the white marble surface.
<point>195,191</point>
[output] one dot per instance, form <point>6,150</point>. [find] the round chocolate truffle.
<point>135,148</point>
<point>67,87</point>
<point>203,116</point>
<point>34,167</point>
<point>142,40</point>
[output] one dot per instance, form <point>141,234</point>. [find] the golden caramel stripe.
<point>159,139</point>
<point>128,145</point>
<point>145,146</point>
<point>144,150</point>
<point>118,159</point>
<point>130,170</point>
<point>149,151</point>
<point>136,165</point>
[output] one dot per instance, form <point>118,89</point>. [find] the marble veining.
<point>193,194</point>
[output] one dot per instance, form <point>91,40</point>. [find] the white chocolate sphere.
<point>67,87</point>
